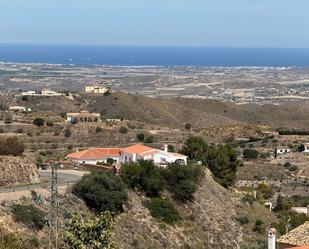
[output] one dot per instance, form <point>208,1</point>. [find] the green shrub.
<point>287,165</point>
<point>19,130</point>
<point>98,129</point>
<point>144,176</point>
<point>63,115</point>
<point>140,137</point>
<point>258,226</point>
<point>29,215</point>
<point>182,180</point>
<point>298,219</point>
<point>10,241</point>
<point>187,126</point>
<point>265,190</point>
<point>110,160</point>
<point>11,146</point>
<point>243,220</point>
<point>170,148</point>
<point>293,168</point>
<point>282,204</point>
<point>8,119</point>
<point>223,163</point>
<point>49,123</point>
<point>149,139</point>
<point>39,122</point>
<point>123,130</point>
<point>101,191</point>
<point>250,153</point>
<point>95,233</point>
<point>248,198</point>
<point>163,210</point>
<point>301,148</point>
<point>24,98</point>
<point>67,132</point>
<point>195,148</point>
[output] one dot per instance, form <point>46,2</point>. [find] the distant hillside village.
<point>50,93</point>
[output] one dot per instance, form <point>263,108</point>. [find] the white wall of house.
<point>157,158</point>
<point>128,157</point>
<point>301,210</point>
<point>95,161</point>
<point>283,150</point>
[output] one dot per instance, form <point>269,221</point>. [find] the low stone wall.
<point>94,167</point>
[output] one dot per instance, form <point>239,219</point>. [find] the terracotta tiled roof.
<point>95,153</point>
<point>109,151</point>
<point>150,152</point>
<point>297,237</point>
<point>137,149</point>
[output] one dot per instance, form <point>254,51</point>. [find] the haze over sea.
<point>155,56</point>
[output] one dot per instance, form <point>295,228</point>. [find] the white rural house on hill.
<point>129,154</point>
<point>306,148</point>
<point>159,157</point>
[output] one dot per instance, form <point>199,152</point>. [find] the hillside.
<point>208,222</point>
<point>14,170</point>
<point>176,112</point>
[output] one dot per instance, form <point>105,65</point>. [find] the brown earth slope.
<point>15,170</point>
<point>176,112</point>
<point>208,222</point>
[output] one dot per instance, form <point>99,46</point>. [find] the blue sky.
<point>218,23</point>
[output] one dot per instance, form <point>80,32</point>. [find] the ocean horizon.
<point>155,56</point>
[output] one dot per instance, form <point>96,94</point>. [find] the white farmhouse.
<point>132,153</point>
<point>29,93</point>
<point>19,109</point>
<point>159,157</point>
<point>281,150</point>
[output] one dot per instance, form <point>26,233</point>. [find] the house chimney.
<point>165,148</point>
<point>272,238</point>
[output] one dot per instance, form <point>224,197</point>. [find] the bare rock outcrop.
<point>14,170</point>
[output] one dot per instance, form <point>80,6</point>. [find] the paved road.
<point>65,177</point>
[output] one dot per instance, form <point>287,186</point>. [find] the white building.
<point>301,210</point>
<point>45,92</point>
<point>29,93</point>
<point>95,89</point>
<point>83,117</point>
<point>48,92</point>
<point>128,154</point>
<point>159,157</point>
<point>306,145</point>
<point>281,151</point>
<point>19,109</point>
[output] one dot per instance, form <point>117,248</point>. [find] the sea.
<point>155,56</point>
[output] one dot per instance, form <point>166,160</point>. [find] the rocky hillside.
<point>14,170</point>
<point>208,222</point>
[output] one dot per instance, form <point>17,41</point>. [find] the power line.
<point>53,211</point>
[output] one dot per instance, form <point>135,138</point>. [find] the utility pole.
<point>53,211</point>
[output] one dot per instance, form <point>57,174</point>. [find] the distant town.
<point>240,85</point>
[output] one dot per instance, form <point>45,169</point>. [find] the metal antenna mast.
<point>53,211</point>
